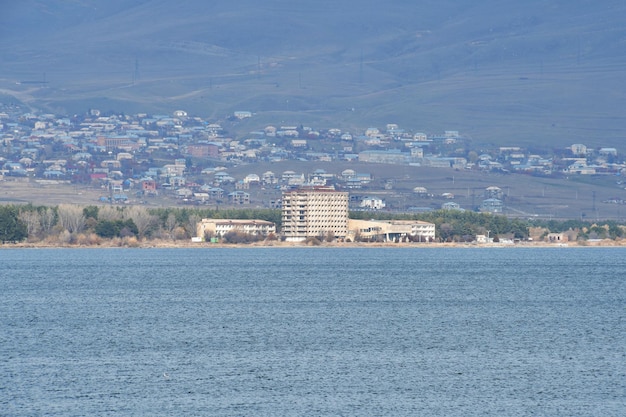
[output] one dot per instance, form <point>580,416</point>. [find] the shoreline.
<point>167,244</point>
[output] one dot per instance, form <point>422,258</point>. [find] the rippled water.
<point>313,331</point>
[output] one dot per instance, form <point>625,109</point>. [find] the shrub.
<point>116,228</point>
<point>312,241</point>
<point>130,241</point>
<point>179,233</point>
<point>66,237</point>
<point>240,237</point>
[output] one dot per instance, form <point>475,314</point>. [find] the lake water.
<point>313,332</point>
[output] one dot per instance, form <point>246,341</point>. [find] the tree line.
<point>463,226</point>
<point>74,224</point>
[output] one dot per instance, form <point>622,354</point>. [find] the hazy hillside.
<point>534,72</point>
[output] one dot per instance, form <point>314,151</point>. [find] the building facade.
<point>314,212</point>
<point>390,230</point>
<point>492,205</point>
<point>219,227</point>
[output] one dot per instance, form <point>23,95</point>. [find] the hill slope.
<point>504,72</point>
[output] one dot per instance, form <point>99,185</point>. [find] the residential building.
<point>298,143</point>
<point>252,179</point>
<point>269,178</point>
<point>493,192</point>
<point>314,212</point>
<point>580,167</point>
<point>374,203</point>
<point>239,197</point>
<point>421,191</point>
<point>207,150</point>
<point>439,162</point>
<point>148,185</point>
<point>117,142</point>
<point>451,205</point>
<point>578,149</point>
<point>492,205</point>
<point>389,156</point>
<point>557,237</point>
<point>213,192</point>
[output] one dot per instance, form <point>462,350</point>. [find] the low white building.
<point>578,149</point>
<point>580,167</point>
<point>219,227</point>
<point>389,230</point>
<point>374,203</point>
<point>252,178</point>
<point>242,114</point>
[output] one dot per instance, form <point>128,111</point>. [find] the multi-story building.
<point>205,150</point>
<point>314,212</point>
<point>219,227</point>
<point>239,197</point>
<point>492,205</point>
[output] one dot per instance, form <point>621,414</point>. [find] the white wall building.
<point>374,203</point>
<point>219,227</point>
<point>389,230</point>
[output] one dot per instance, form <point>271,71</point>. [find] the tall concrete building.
<point>314,212</point>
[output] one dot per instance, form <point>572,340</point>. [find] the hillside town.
<point>134,159</point>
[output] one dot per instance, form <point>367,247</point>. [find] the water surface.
<point>313,331</point>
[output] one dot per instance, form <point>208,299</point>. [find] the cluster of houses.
<point>575,159</point>
<point>132,157</point>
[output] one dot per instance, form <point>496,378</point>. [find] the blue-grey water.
<point>313,332</point>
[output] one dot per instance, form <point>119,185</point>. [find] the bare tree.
<point>142,219</point>
<point>47,218</point>
<point>71,218</point>
<point>192,225</point>
<point>170,224</point>
<point>32,221</point>
<point>109,213</point>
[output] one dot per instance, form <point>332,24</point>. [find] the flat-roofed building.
<point>219,227</point>
<point>492,205</point>
<point>389,230</point>
<point>314,212</point>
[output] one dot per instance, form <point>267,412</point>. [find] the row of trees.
<point>609,229</point>
<point>461,226</point>
<point>68,223</point>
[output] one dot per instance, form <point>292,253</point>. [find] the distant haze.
<point>504,72</point>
